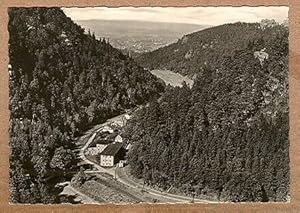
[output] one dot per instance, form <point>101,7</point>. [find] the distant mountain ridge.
<point>133,27</point>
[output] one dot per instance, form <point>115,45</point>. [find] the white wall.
<point>101,147</point>
<point>106,160</point>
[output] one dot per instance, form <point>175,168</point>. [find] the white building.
<point>107,160</point>
<point>107,129</point>
<point>92,151</point>
<point>101,147</point>
<point>118,139</point>
<point>127,117</point>
<point>112,154</point>
<point>122,163</point>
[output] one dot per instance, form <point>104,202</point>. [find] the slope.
<point>209,46</point>
<point>226,138</point>
<point>61,82</point>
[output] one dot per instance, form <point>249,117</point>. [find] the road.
<point>124,179</point>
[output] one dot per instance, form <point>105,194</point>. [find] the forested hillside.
<point>61,82</point>
<point>226,138</point>
<point>208,47</point>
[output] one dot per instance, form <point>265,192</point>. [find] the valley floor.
<point>114,184</point>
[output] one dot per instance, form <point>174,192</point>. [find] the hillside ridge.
<point>210,46</point>
<point>62,81</point>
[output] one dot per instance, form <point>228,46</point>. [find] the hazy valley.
<point>142,36</point>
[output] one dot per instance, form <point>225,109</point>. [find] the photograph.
<point>127,105</point>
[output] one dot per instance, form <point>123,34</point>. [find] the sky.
<point>191,15</point>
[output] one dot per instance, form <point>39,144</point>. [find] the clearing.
<point>172,78</point>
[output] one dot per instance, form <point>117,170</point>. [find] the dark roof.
<point>103,141</point>
<point>112,149</point>
<point>112,135</point>
<point>102,134</point>
<point>100,140</point>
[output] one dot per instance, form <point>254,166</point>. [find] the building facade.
<point>107,160</point>
<point>92,151</point>
<point>101,147</point>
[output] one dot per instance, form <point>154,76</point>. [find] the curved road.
<point>124,179</point>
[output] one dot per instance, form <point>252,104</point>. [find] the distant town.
<point>139,45</point>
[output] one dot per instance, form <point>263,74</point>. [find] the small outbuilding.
<point>128,147</point>
<point>107,129</point>
<point>122,163</point>
<point>118,139</point>
<point>127,116</point>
